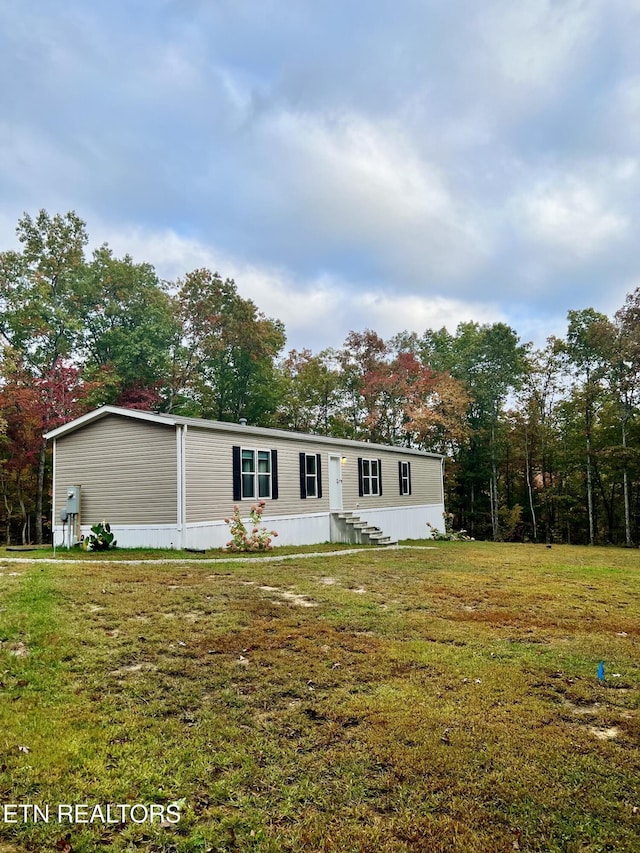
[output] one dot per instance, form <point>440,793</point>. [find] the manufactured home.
<point>168,481</point>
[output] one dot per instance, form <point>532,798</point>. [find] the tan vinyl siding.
<point>426,480</point>
<point>209,474</point>
<point>127,470</point>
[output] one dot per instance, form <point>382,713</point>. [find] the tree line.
<point>541,444</point>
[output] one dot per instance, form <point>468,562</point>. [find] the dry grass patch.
<point>452,704</point>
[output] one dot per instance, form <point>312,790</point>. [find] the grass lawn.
<point>441,700</point>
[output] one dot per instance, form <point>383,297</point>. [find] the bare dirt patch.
<point>133,668</point>
<point>584,710</point>
<point>294,598</point>
<point>605,734</point>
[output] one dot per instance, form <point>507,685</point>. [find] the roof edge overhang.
<point>104,411</point>
<point>228,426</point>
<point>289,435</point>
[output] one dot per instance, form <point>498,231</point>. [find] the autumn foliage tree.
<point>39,298</point>
<point>439,421</point>
<point>540,444</point>
<point>391,390</point>
<point>30,407</point>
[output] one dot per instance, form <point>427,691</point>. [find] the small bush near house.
<point>101,538</point>
<point>258,538</point>
<point>449,534</point>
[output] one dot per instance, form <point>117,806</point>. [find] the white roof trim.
<point>102,412</point>
<point>229,426</point>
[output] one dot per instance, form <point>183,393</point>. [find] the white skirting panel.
<point>133,535</point>
<point>292,530</point>
<point>404,522</point>
<point>311,529</point>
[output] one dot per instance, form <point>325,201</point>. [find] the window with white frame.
<point>310,476</point>
<point>255,474</point>
<point>370,483</point>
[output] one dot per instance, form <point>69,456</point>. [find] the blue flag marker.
<point>601,670</point>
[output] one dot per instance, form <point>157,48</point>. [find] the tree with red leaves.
<point>30,407</point>
<point>39,315</point>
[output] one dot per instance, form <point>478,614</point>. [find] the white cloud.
<point>171,254</point>
<point>373,169</point>
<point>532,46</point>
<point>391,314</point>
<point>571,218</point>
<point>353,182</point>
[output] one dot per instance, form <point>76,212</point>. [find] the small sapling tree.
<point>257,538</point>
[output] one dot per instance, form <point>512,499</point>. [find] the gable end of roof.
<point>104,411</point>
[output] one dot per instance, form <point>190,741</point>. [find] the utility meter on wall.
<point>73,500</point>
<point>70,517</point>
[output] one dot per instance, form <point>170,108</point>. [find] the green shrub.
<point>101,538</point>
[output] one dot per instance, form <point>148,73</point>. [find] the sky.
<point>351,164</point>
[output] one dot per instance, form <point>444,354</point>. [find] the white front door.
<point>335,483</point>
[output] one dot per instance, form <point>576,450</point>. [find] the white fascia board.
<point>266,432</point>
<point>97,414</point>
<point>237,429</point>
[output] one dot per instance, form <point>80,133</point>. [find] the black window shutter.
<point>303,476</point>
<point>360,488</point>
<point>274,475</point>
<point>237,487</point>
<point>379,476</point>
<point>319,474</point>
<point>407,467</point>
